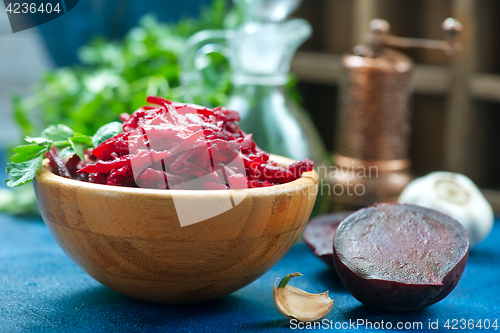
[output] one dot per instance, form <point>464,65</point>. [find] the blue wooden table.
<point>42,290</point>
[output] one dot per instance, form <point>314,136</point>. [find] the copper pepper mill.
<point>371,163</point>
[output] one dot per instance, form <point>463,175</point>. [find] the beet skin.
<point>396,257</point>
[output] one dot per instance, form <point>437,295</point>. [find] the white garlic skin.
<point>455,195</point>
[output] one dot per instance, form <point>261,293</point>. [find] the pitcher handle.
<point>195,49</point>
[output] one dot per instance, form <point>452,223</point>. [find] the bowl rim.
<point>47,177</point>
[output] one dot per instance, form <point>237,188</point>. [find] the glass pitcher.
<point>260,52</point>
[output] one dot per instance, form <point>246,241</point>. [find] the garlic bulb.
<point>297,304</point>
<point>456,195</point>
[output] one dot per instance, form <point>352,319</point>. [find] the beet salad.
<point>169,145</point>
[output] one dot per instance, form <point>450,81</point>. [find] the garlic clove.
<point>297,304</point>
<point>455,195</point>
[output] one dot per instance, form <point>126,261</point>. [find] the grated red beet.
<point>56,163</point>
<point>184,146</point>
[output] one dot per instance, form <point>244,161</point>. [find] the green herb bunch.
<point>116,77</point>
<point>113,77</point>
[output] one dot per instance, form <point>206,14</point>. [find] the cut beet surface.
<point>396,257</point>
<point>320,232</point>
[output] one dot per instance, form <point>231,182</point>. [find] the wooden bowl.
<point>131,240</point>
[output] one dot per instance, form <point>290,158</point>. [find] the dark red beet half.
<point>396,257</point>
<point>320,232</point>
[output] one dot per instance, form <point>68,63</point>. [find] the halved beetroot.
<point>396,257</point>
<point>320,232</point>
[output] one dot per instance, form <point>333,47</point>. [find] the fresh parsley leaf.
<point>79,143</point>
<point>107,131</point>
<point>38,141</point>
<point>27,159</point>
<point>22,115</point>
<point>66,152</point>
<point>28,152</point>
<point>58,132</point>
<point>24,172</point>
<point>78,148</point>
<point>83,139</point>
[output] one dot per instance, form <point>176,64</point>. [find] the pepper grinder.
<point>371,163</point>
